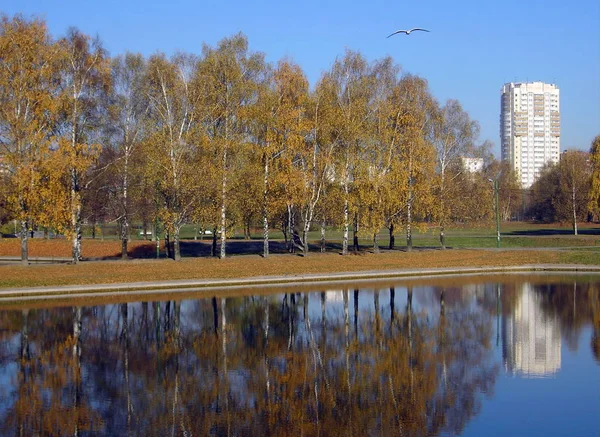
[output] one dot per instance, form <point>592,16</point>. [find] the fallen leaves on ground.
<point>101,272</point>
<point>61,248</point>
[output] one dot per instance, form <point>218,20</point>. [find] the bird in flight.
<point>407,31</point>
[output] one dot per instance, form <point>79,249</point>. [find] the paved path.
<point>188,286</point>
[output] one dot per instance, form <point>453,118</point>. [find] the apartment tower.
<point>529,128</point>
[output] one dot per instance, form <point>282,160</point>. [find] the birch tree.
<point>574,186</point>
<point>417,153</point>
<point>172,146</point>
<point>85,80</point>
<point>28,106</point>
<point>128,110</point>
<point>296,133</point>
<point>229,74</point>
<point>280,127</point>
<point>454,135</point>
<point>379,181</point>
<point>346,90</point>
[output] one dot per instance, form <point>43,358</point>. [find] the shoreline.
<point>260,283</point>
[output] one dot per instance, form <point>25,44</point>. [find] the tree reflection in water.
<point>311,364</point>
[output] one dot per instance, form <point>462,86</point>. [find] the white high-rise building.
<point>529,128</point>
<point>531,338</point>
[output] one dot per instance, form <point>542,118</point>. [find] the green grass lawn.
<point>513,235</point>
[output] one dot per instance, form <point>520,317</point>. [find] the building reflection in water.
<point>531,338</point>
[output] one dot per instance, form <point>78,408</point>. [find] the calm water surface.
<point>517,356</point>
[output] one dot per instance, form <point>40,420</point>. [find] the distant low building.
<point>472,165</point>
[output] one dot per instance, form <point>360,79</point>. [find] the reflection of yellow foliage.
<point>171,347</point>
<point>50,400</point>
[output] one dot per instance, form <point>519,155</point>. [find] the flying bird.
<point>407,31</point>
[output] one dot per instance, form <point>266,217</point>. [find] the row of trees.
<point>224,139</point>
<point>570,190</point>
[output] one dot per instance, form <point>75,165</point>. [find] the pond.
<point>469,356</point>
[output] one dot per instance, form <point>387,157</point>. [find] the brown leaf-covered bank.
<point>109,272</point>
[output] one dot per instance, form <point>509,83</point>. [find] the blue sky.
<point>473,48</point>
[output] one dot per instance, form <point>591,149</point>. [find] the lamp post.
<point>496,187</point>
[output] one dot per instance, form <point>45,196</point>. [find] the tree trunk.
<point>167,244</point>
<point>392,237</point>
<point>223,207</point>
<point>409,245</point>
<point>574,209</point>
<point>296,240</point>
<point>75,191</point>
<point>265,236</point>
<point>124,239</point>
<point>156,238</point>
<point>305,232</point>
<point>355,234</point>
<point>375,242</point>
<point>76,222</point>
<point>213,247</point>
<point>323,236</point>
<point>176,249</point>
<point>284,231</point>
<point>305,242</point>
<point>124,248</point>
<point>24,244</point>
<point>442,238</point>
<point>75,217</point>
<point>346,220</point>
<point>409,206</point>
<point>265,206</point>
<point>290,226</point>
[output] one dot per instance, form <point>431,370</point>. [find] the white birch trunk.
<point>346,219</point>
<point>265,208</point>
<point>223,207</point>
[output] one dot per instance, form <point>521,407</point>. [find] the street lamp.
<point>496,186</point>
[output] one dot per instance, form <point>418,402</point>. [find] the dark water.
<point>517,356</point>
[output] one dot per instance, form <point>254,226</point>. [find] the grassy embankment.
<point>522,244</point>
<point>253,265</point>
